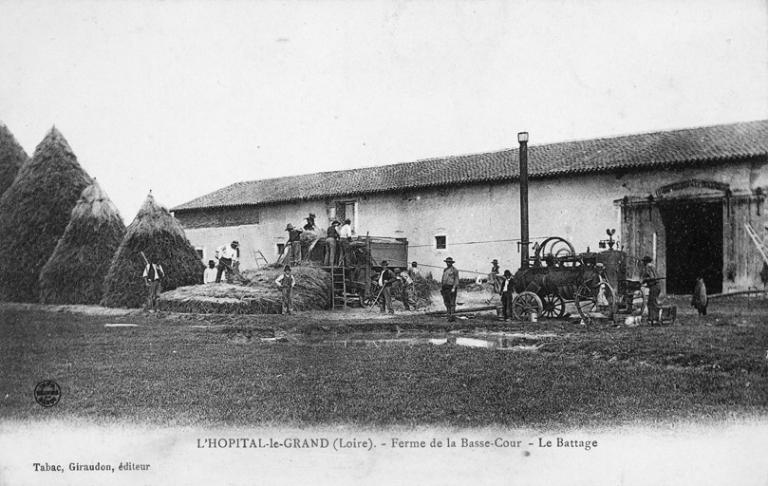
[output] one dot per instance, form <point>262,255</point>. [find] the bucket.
<point>533,317</point>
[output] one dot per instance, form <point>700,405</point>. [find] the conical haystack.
<point>12,157</point>
<point>162,239</point>
<point>75,272</point>
<point>34,212</point>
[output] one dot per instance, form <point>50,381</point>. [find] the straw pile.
<point>260,296</point>
<point>75,272</point>
<point>34,212</point>
<point>12,157</point>
<point>156,233</point>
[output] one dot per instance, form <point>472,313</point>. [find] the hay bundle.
<point>156,233</point>
<point>260,296</point>
<point>75,272</point>
<point>34,212</point>
<point>12,157</point>
<point>220,299</point>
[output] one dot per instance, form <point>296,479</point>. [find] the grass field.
<point>168,371</point>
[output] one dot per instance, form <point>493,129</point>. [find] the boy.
<point>285,283</point>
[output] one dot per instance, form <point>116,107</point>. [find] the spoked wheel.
<point>595,302</point>
<point>525,304</point>
<point>553,306</point>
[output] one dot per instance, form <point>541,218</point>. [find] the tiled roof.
<point>649,150</point>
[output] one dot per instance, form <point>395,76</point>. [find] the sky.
<point>186,97</point>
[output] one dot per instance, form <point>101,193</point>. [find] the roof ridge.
<point>693,145</point>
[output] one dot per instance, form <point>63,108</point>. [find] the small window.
<point>200,253</point>
<point>440,242</point>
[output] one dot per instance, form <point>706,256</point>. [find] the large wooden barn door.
<point>642,231</point>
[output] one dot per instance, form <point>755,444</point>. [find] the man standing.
<point>450,285</point>
<point>506,295</point>
<point>386,279</point>
<point>311,230</point>
<point>651,280</point>
<point>294,241</point>
<point>209,275</point>
<point>408,291</point>
<point>286,282</point>
<point>153,273</point>
<point>493,277</point>
<point>332,236</point>
<point>345,238</point>
<point>227,256</point>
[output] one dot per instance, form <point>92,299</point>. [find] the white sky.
<point>187,97</point>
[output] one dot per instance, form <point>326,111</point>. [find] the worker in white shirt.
<point>153,273</point>
<point>286,282</point>
<point>209,275</point>
<point>227,255</point>
<point>345,238</point>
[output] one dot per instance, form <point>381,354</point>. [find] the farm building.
<point>681,196</point>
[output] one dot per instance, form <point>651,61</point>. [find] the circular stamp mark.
<point>47,393</point>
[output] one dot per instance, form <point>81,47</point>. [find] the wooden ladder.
<point>338,287</point>
<point>756,240</point>
<point>259,256</point>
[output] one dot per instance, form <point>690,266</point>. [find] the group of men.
<point>338,236</point>
<point>227,256</point>
<point>388,278</point>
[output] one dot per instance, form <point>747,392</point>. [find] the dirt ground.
<point>361,367</point>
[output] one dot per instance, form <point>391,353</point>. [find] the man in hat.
<point>294,241</point>
<point>506,290</point>
<point>386,279</point>
<point>650,278</point>
<point>310,226</point>
<point>311,230</point>
<point>286,282</point>
<point>227,255</point>
<point>493,277</point>
<point>449,287</point>
<point>331,238</point>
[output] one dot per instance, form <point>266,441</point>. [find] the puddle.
<point>500,341</point>
<point>121,325</point>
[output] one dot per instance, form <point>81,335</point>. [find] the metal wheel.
<point>557,247</point>
<point>553,306</point>
<point>524,304</point>
<point>595,301</point>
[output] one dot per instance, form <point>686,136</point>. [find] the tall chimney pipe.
<point>522,138</point>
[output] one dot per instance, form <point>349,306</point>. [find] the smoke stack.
<point>522,138</point>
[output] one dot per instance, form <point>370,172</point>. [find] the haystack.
<point>12,157</point>
<point>75,272</point>
<point>34,212</point>
<point>260,296</point>
<point>156,233</point>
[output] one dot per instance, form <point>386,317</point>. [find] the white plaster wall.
<point>576,208</point>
